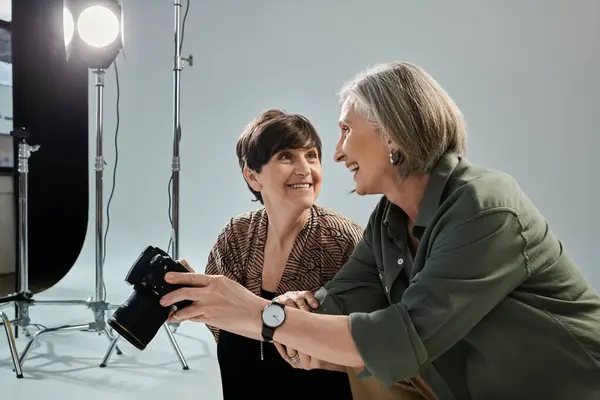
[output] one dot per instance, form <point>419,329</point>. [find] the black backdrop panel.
<point>50,98</point>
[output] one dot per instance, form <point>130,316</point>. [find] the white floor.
<point>65,365</point>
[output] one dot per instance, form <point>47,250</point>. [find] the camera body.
<point>140,317</point>
<point>147,274</point>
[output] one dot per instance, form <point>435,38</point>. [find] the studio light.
<point>93,31</point>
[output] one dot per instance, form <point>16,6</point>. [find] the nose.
<point>302,167</point>
<point>339,155</point>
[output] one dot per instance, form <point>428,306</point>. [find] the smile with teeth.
<point>353,167</point>
<point>301,185</point>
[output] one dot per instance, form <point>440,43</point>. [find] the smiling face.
<point>280,156</point>
<point>365,151</point>
<point>292,178</point>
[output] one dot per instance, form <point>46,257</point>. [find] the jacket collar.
<point>431,200</point>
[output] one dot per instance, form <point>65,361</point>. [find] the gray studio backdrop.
<point>524,72</point>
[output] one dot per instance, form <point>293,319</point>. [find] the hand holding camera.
<point>216,301</point>
<point>140,317</point>
<point>160,283</point>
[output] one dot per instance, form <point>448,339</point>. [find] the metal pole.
<point>25,151</point>
<point>99,166</point>
<point>11,345</point>
<point>23,170</point>
<point>178,63</point>
<point>175,167</point>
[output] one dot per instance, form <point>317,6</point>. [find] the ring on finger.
<point>294,359</point>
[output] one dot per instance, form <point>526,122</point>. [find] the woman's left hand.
<point>304,361</point>
<point>217,301</point>
<point>295,358</point>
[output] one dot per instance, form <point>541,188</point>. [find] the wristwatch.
<point>273,316</point>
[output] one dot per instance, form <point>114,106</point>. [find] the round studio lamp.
<point>93,31</point>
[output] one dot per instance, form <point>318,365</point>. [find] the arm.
<point>457,287</point>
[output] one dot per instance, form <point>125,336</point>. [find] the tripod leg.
<point>111,339</point>
<point>176,347</point>
<point>112,346</point>
<point>45,331</point>
<point>11,344</point>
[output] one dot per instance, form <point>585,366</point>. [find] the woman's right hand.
<point>303,300</point>
<point>190,269</point>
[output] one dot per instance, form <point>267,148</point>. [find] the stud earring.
<point>394,157</point>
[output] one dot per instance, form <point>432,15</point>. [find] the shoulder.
<point>474,190</point>
<point>484,206</point>
<point>242,225</point>
<point>486,203</point>
<point>334,221</point>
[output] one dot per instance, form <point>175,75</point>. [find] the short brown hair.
<point>413,110</point>
<point>271,132</point>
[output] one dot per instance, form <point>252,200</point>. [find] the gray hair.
<point>408,106</point>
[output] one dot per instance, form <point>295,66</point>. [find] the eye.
<point>312,155</point>
<point>285,156</point>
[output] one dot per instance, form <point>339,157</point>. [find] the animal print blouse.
<point>322,247</point>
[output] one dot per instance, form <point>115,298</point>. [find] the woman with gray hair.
<point>458,278</point>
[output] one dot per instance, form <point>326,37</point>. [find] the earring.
<point>394,157</point>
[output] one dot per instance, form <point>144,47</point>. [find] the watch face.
<point>273,316</point>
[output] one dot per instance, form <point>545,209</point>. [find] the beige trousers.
<point>372,389</point>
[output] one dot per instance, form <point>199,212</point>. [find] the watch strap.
<point>267,333</point>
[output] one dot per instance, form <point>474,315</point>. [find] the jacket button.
<point>400,261</point>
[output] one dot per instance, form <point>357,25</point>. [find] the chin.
<point>365,188</point>
<point>307,203</point>
<point>364,191</point>
<point>301,202</point>
<point>360,191</point>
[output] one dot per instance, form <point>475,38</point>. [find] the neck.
<point>407,193</point>
<point>285,224</point>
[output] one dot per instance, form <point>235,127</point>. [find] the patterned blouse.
<point>322,247</point>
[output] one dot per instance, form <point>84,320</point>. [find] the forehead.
<point>303,149</point>
<point>347,112</point>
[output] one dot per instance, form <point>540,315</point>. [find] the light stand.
<point>178,63</point>
<point>97,304</point>
<point>23,298</point>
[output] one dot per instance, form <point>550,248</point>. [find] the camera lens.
<point>139,318</point>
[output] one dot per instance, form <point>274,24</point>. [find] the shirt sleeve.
<point>222,261</point>
<point>472,266</point>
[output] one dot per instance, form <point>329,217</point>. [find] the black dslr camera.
<point>140,317</point>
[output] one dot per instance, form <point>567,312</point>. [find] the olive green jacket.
<point>489,306</point>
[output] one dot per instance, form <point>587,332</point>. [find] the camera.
<point>140,317</point>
